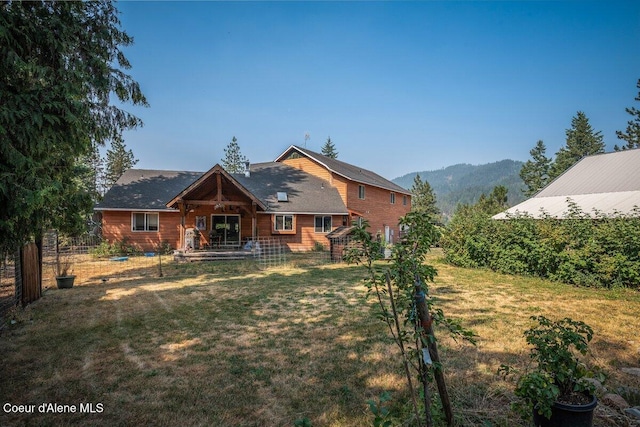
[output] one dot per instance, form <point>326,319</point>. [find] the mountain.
<point>464,183</point>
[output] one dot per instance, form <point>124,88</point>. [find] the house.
<point>607,183</point>
<point>298,198</point>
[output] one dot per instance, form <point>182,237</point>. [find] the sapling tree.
<point>409,311</point>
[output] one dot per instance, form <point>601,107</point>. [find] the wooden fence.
<point>20,279</point>
<point>30,268</point>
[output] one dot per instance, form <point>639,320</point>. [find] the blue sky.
<point>398,86</point>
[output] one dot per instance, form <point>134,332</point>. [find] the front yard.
<point>229,345</point>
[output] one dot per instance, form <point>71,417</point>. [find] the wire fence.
<point>9,292</point>
<point>90,265</point>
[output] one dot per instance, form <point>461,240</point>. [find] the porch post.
<point>183,213</point>
<point>254,221</point>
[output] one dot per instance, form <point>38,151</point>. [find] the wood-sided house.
<point>300,198</point>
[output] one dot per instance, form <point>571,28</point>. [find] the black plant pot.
<point>565,415</point>
<point>65,282</point>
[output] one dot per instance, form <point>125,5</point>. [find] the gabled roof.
<point>305,193</point>
<point>346,170</point>
<point>146,189</point>
<point>207,176</point>
<point>143,189</point>
<point>607,183</point>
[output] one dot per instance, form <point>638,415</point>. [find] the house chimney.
<point>247,172</point>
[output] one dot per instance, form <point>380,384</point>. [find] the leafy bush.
<point>164,248</point>
<point>117,248</point>
<point>578,249</point>
<point>558,372</point>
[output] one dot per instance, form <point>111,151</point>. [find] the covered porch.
<point>216,213</point>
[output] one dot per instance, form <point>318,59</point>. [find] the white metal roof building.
<point>607,183</point>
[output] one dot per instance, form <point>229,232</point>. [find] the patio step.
<point>212,255</point>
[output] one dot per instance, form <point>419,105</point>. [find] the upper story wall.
<point>376,206</point>
<point>310,166</point>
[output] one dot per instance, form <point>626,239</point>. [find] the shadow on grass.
<point>228,344</point>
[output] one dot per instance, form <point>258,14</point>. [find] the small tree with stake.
<point>401,291</point>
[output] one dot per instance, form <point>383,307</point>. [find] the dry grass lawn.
<point>231,345</point>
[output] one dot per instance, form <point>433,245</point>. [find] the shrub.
<point>117,248</point>
<point>601,251</point>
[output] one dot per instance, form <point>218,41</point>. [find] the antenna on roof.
<point>307,137</point>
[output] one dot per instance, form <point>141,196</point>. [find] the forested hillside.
<point>464,183</point>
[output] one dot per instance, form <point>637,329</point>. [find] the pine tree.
<point>582,141</point>
<point>119,160</point>
<point>329,149</point>
<point>633,127</point>
<point>496,202</point>
<point>233,161</point>
<point>535,172</point>
<point>424,199</point>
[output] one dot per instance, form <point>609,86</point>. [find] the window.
<point>144,221</point>
<point>393,198</point>
<point>404,200</point>
<point>361,192</point>
<point>323,224</point>
<point>283,223</point>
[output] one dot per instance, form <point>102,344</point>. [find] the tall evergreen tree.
<point>535,172</point>
<point>92,173</point>
<point>329,149</point>
<point>632,135</point>
<point>119,160</point>
<point>582,141</point>
<point>496,202</point>
<point>233,161</point>
<point>424,199</point>
<point>61,65</point>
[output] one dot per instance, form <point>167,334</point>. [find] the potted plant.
<point>62,269</point>
<point>556,390</point>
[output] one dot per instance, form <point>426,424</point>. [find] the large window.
<point>361,192</point>
<point>142,221</point>
<point>283,223</point>
<point>225,229</point>
<point>323,224</point>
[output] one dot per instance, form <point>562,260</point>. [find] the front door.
<point>226,228</point>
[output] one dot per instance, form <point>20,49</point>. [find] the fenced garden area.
<point>234,344</point>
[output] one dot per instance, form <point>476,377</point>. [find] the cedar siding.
<point>116,227</point>
<point>376,207</point>
<point>314,186</point>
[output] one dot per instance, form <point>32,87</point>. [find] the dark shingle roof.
<point>151,189</point>
<point>349,171</point>
<point>146,189</point>
<point>306,193</point>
